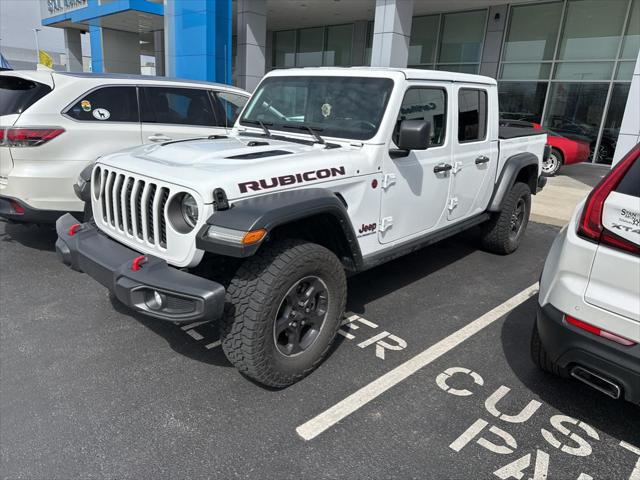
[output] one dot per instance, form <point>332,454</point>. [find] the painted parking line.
<point>328,418</point>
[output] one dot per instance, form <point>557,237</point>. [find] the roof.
<point>408,73</point>
<point>41,75</point>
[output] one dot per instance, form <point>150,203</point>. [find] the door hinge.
<point>453,203</point>
<point>388,180</point>
<point>457,166</point>
<point>386,224</point>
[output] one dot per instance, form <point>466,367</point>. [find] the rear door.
<point>177,113</point>
<point>475,155</point>
<point>614,282</point>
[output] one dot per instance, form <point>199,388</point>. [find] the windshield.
<point>342,107</point>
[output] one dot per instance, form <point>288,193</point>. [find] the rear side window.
<point>630,183</point>
<point>18,94</point>
<point>230,106</point>
<point>472,115</point>
<point>178,106</point>
<point>106,104</point>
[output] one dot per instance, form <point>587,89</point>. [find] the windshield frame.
<point>282,129</point>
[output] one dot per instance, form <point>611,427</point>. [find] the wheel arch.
<point>522,167</point>
<point>315,214</point>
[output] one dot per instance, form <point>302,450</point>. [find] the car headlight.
<point>189,209</point>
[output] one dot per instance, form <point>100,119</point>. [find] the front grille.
<point>134,207</point>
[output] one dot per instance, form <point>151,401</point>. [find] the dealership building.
<point>571,65</point>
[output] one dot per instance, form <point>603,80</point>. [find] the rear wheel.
<point>284,306</point>
<point>539,355</point>
<point>503,232</point>
<point>551,165</point>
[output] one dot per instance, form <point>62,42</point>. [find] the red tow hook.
<point>137,263</point>
<point>73,229</point>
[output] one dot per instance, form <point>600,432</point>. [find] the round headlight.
<point>189,208</point>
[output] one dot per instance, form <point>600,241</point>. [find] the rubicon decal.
<point>284,180</point>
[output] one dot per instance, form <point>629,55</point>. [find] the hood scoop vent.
<point>262,154</point>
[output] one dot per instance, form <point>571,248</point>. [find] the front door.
<point>475,155</point>
<point>177,113</point>
<point>414,196</point>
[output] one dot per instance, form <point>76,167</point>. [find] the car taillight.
<point>587,327</point>
<point>591,226</point>
<point>536,125</point>
<point>2,136</point>
<point>30,136</point>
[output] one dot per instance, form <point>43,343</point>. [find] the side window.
<point>181,106</point>
<point>472,115</point>
<point>630,183</point>
<point>425,104</point>
<point>107,104</point>
<point>230,105</point>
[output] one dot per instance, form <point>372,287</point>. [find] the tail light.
<point>591,226</point>
<point>536,125</point>
<point>29,136</point>
<point>2,130</point>
<point>587,327</point>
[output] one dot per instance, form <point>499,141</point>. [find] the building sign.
<point>57,7</point>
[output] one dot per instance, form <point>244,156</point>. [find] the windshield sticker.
<point>101,114</point>
<point>325,109</point>
<point>86,105</point>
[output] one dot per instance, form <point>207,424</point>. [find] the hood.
<point>241,165</point>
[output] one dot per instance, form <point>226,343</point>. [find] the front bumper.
<point>569,346</point>
<point>156,289</point>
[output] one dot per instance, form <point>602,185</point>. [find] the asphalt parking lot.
<point>90,390</point>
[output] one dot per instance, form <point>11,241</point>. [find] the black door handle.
<point>442,167</point>
<point>482,159</point>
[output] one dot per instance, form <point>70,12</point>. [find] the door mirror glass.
<point>414,135</point>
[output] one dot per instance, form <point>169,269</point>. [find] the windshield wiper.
<point>313,132</point>
<point>262,125</point>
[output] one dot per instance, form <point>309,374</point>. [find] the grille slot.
<point>164,196</point>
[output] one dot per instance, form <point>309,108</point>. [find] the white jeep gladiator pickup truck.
<point>327,172</point>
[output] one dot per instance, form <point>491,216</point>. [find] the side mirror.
<point>414,135</point>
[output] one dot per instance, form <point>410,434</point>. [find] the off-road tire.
<point>253,299</point>
<point>496,232</point>
<point>539,355</point>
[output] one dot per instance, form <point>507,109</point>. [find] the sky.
<point>18,18</point>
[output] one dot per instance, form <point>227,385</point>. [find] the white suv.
<point>52,125</point>
<point>588,321</point>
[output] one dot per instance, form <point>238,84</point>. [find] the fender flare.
<point>274,210</point>
<point>512,168</point>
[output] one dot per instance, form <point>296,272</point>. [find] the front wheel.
<point>284,307</point>
<point>503,232</point>
<point>552,164</point>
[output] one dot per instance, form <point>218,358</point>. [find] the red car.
<point>564,151</point>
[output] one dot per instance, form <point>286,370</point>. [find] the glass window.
<point>424,32</point>
<point>460,68</point>
<point>583,71</point>
<point>522,100</point>
<point>107,104</point>
<point>533,30</point>
<point>631,42</point>
<point>612,122</point>
<point>462,37</point>
<point>525,71</point>
<point>592,29</point>
<point>18,94</point>
<point>310,46</point>
<point>625,71</point>
<point>472,115</point>
<point>182,106</point>
<point>575,109</point>
<point>344,107</point>
<point>339,40</point>
<point>284,48</point>
<point>230,106</point>
<point>369,44</point>
<point>630,183</point>
<point>425,104</point>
